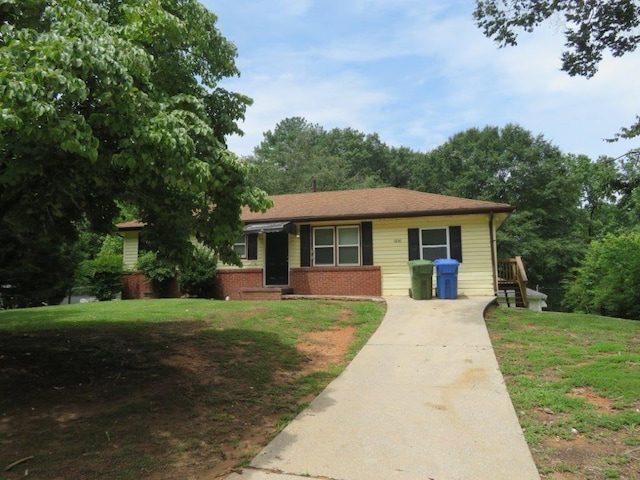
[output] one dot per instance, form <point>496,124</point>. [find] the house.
<point>359,242</point>
<point>356,243</point>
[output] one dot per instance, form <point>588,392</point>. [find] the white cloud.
<point>415,72</point>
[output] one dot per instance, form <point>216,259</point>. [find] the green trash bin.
<point>421,279</point>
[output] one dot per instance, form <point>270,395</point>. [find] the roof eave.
<point>440,213</point>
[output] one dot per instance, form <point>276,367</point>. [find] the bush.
<point>103,275</point>
<point>198,276</point>
<point>607,280</point>
<point>159,272</point>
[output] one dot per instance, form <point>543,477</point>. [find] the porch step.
<point>264,293</point>
<point>507,288</point>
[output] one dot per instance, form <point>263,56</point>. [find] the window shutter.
<point>455,243</point>
<point>305,245</point>
<point>367,243</point>
<point>252,246</point>
<point>414,243</point>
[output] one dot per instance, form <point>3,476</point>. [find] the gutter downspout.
<point>492,240</point>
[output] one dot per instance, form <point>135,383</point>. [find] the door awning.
<point>270,227</point>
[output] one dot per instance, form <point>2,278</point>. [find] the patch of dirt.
<point>600,454</point>
<point>602,405</point>
<point>158,402</point>
<point>325,348</point>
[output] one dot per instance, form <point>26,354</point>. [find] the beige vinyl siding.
<point>294,250</point>
<point>258,263</point>
<point>130,248</point>
<point>390,252</point>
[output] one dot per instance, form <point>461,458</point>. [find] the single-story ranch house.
<point>356,243</point>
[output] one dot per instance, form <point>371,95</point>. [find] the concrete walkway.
<point>424,399</point>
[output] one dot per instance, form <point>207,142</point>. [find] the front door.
<point>277,259</point>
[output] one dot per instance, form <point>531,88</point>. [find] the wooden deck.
<point>512,276</point>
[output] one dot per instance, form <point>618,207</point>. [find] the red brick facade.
<point>135,285</point>
<point>230,282</point>
<point>349,281</point>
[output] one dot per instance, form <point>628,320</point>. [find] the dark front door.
<point>277,259</point>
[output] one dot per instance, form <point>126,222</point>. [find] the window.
<point>336,245</point>
<point>434,243</point>
<point>348,245</point>
<point>240,247</point>
<point>323,246</point>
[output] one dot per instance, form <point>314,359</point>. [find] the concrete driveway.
<point>424,399</point>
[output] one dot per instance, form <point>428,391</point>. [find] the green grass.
<point>126,388</point>
<point>568,373</point>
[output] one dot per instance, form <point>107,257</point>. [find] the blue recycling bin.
<point>446,278</point>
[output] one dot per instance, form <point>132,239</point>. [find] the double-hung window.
<point>348,245</point>
<point>240,247</point>
<point>434,243</point>
<point>336,246</point>
<point>324,251</point>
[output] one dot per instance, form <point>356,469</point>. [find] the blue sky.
<point>416,72</point>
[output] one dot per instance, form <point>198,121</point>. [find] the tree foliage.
<point>592,27</point>
<point>606,282</point>
<point>103,275</point>
<point>104,101</point>
<point>197,276</point>
<point>298,154</point>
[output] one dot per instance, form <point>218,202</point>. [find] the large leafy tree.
<point>592,28</point>
<point>106,101</point>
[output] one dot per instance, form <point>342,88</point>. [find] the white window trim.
<point>244,244</point>
<point>357,245</point>
<point>333,246</point>
<point>336,256</point>
<point>447,245</point>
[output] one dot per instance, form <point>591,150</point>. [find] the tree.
<point>105,101</point>
<point>592,27</point>
<point>297,153</point>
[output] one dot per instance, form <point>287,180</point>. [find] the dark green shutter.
<point>252,246</point>
<point>414,243</point>
<point>305,245</point>
<point>455,243</point>
<point>367,243</point>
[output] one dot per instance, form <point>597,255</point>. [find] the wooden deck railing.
<point>512,275</point>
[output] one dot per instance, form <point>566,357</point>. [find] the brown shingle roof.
<point>386,202</point>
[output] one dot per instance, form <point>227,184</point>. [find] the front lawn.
<point>574,381</point>
<point>163,389</point>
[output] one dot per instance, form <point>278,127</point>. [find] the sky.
<point>416,72</point>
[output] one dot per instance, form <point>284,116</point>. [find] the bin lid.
<point>446,261</point>
<point>415,263</point>
<point>446,266</point>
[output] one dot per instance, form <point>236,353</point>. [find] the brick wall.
<point>350,281</point>
<point>135,285</point>
<point>230,282</point>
